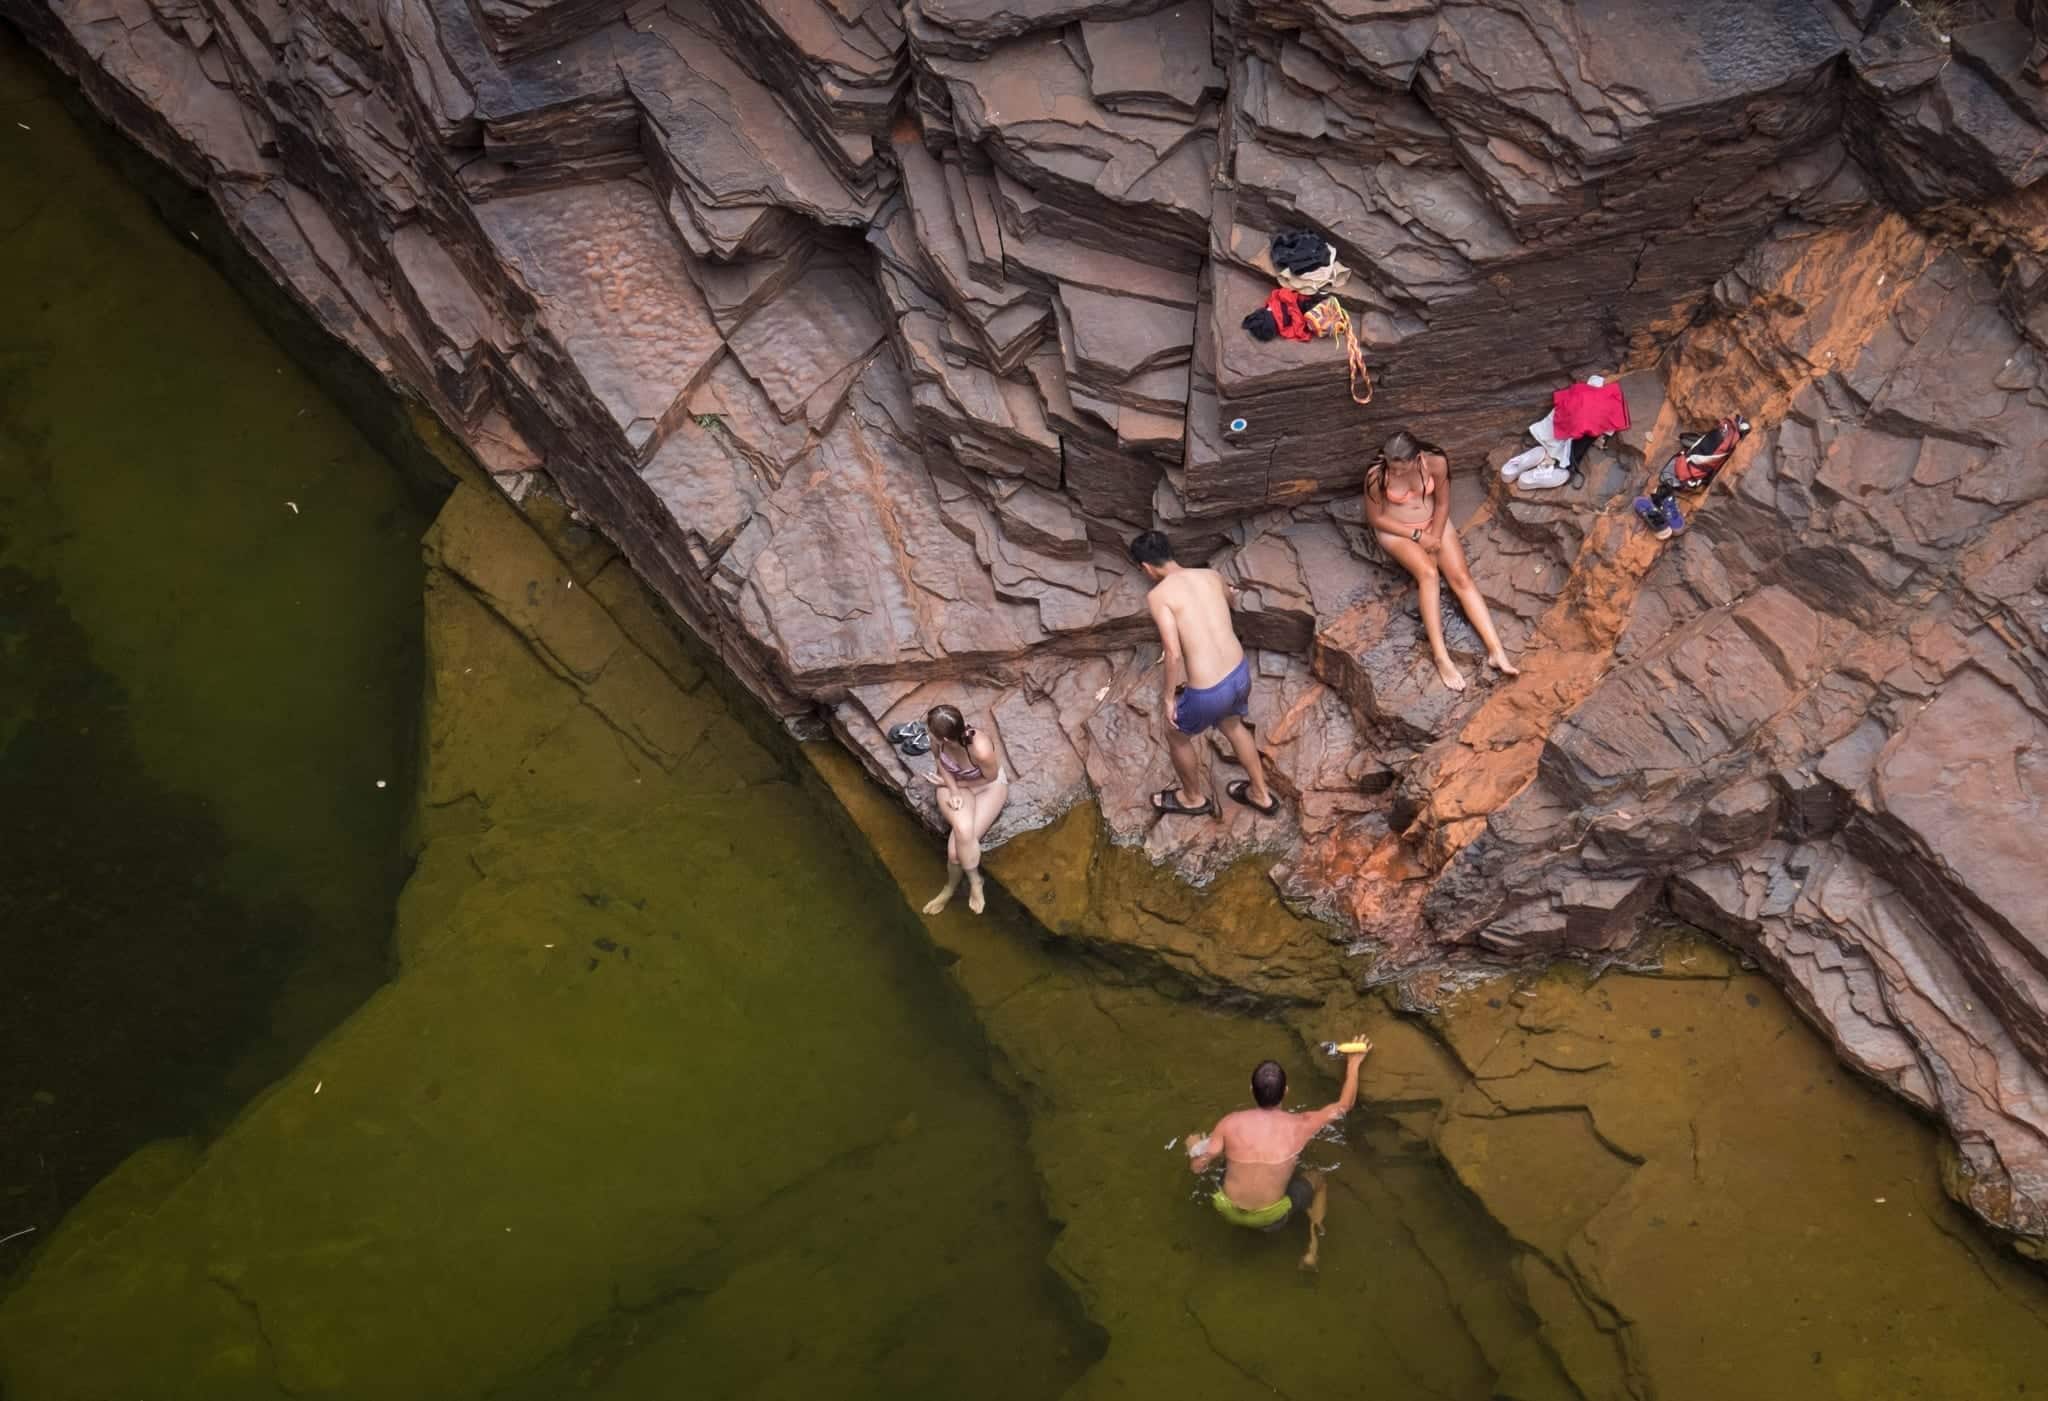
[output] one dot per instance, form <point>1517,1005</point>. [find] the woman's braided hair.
<point>1402,447</point>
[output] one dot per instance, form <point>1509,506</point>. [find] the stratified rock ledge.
<point>870,331</point>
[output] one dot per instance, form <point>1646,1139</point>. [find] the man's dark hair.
<point>1269,1084</point>
<point>1152,547</point>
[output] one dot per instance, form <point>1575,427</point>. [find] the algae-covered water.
<point>597,1052</point>
<point>639,1081</point>
<point>202,686</point>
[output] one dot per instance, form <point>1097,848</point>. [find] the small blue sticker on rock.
<point>1237,425</point>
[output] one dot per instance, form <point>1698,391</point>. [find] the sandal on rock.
<point>1167,803</point>
<point>1241,791</point>
<point>911,738</point>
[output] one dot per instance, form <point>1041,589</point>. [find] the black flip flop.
<point>1166,802</point>
<point>1240,790</point>
<point>911,738</point>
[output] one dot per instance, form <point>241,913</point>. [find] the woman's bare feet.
<point>1499,660</point>
<point>938,902</point>
<point>1447,671</point>
<point>977,900</point>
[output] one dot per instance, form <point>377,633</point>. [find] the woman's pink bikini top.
<point>970,772</point>
<point>1428,488</point>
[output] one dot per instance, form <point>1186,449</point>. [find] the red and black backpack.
<point>1706,453</point>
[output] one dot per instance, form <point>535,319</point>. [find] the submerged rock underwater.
<point>868,332</point>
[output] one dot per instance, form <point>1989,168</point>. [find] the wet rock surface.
<point>492,1178</point>
<point>1690,1197</point>
<point>1668,1105</point>
<point>869,332</point>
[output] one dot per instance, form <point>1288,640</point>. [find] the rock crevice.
<point>869,332</point>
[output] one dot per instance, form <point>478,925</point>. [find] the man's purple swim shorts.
<point>1202,708</point>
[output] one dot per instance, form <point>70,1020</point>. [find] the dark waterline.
<point>196,883</point>
<point>211,612</point>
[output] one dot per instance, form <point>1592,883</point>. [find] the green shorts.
<point>1300,1192</point>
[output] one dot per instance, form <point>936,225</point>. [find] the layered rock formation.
<point>870,332</point>
<point>1668,1163</point>
<point>498,1160</point>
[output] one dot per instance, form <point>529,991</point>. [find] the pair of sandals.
<point>911,738</point>
<point>1166,802</point>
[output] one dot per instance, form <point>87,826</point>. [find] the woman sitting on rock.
<point>973,785</point>
<point>1408,507</point>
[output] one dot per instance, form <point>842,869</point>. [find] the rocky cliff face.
<point>870,331</point>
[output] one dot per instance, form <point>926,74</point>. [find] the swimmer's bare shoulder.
<point>1206,1148</point>
<point>1229,1122</point>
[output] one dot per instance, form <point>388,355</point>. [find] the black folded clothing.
<point>1300,252</point>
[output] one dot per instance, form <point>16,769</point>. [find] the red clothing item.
<point>1285,304</point>
<point>1584,411</point>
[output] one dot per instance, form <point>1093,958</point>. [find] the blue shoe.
<point>1647,512</point>
<point>1673,522</point>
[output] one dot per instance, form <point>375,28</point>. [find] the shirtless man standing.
<point>1261,1188</point>
<point>1208,682</point>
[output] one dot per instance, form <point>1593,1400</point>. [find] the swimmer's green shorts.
<point>1267,1218</point>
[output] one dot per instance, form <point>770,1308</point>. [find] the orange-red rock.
<point>869,332</point>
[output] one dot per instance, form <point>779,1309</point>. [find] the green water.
<point>201,688</point>
<point>598,1054</point>
<point>644,1075</point>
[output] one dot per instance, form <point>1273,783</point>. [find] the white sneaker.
<point>1548,475</point>
<point>1521,462</point>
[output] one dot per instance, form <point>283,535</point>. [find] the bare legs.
<point>1187,766</point>
<point>1316,1209</point>
<point>944,898</point>
<point>1432,571</point>
<point>1247,750</point>
<point>978,810</point>
<point>986,803</point>
<point>1422,564</point>
<point>1451,560</point>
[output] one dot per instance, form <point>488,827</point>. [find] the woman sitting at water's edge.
<point>973,785</point>
<point>1408,507</point>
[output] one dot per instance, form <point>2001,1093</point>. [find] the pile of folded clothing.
<point>1304,307</point>
<point>1581,415</point>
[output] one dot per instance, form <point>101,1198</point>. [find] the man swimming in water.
<point>1208,682</point>
<point>1261,1188</point>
